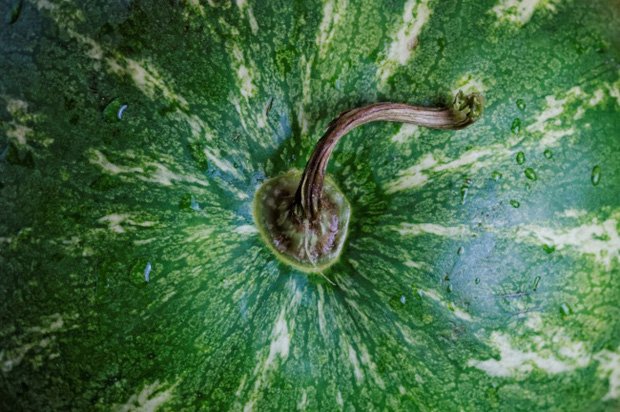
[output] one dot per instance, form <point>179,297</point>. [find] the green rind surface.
<point>446,297</point>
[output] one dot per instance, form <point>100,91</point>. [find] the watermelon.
<point>479,269</point>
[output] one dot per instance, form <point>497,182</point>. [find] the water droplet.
<point>194,205</point>
<point>565,309</point>
<point>120,112</point>
<point>514,203</point>
<point>530,173</point>
<point>477,281</point>
<point>520,158</point>
<point>521,104</point>
<point>548,153</point>
<point>147,272</point>
<point>496,175</point>
<point>516,126</point>
<point>596,175</point>
<point>549,249</point>
<point>403,299</point>
<point>460,250</point>
<point>536,282</point>
<point>111,111</point>
<point>449,288</point>
<point>464,190</point>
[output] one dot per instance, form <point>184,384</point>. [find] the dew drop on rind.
<point>565,309</point>
<point>548,154</point>
<point>515,203</point>
<point>520,158</point>
<point>536,282</point>
<point>460,250</point>
<point>496,175</point>
<point>464,190</point>
<point>477,281</point>
<point>110,112</point>
<point>596,175</point>
<point>516,126</point>
<point>521,104</point>
<point>530,173</point>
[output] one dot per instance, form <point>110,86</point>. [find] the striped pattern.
<point>446,297</point>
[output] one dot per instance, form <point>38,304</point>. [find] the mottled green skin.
<point>82,330</point>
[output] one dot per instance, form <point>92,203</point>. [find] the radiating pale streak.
<point>18,131</point>
<point>614,90</point>
<point>417,265</point>
<point>305,94</point>
<point>279,345</point>
<point>549,349</point>
<point>199,234</point>
<point>357,371</point>
<point>415,16</point>
<point>370,365</point>
<point>303,402</point>
<point>39,340</point>
<point>547,126</point>
<point>117,221</point>
<point>146,79</point>
<point>280,340</point>
<point>554,107</point>
<point>598,239</point>
<point>519,12</point>
<point>247,9</point>
<point>16,107</point>
<point>514,361</point>
<point>151,83</point>
<point>419,174</point>
<point>333,12</point>
<point>417,229</point>
<point>459,313</point>
<point>405,133</point>
<point>321,312</point>
<point>45,5</point>
<point>246,230</point>
<point>199,8</point>
<point>548,122</point>
<point>413,176</point>
<point>245,76</point>
<point>574,213</point>
<point>609,366</point>
<point>149,399</point>
<point>160,174</point>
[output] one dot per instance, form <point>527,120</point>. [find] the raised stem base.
<point>310,246</point>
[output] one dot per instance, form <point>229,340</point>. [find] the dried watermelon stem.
<point>308,199</point>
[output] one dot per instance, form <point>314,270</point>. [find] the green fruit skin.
<point>222,96</point>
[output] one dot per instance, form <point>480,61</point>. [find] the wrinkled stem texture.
<point>464,111</point>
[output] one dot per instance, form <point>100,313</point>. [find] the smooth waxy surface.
<point>221,96</point>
